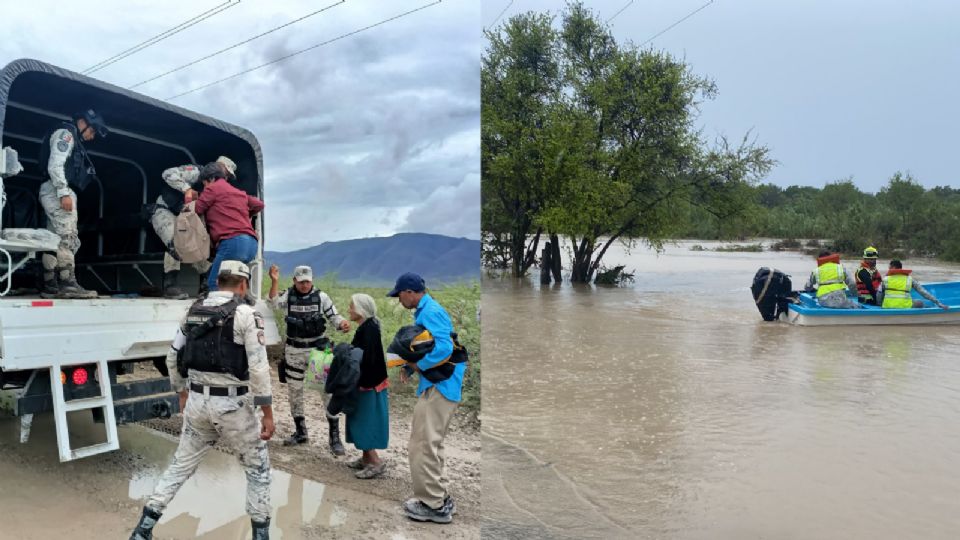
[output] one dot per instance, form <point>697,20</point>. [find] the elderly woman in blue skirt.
<point>368,427</point>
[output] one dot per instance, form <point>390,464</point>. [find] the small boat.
<point>804,310</point>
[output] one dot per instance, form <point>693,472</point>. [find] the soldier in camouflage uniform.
<point>178,190</point>
<point>306,309</point>
<point>66,166</point>
<point>221,350</point>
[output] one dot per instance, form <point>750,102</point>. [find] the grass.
<point>460,301</point>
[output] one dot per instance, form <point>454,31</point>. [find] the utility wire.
<point>162,36</point>
<point>665,30</point>
<point>500,15</point>
<point>234,46</point>
<point>301,51</point>
<point>619,12</point>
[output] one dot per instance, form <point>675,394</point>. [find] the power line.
<point>619,12</point>
<point>162,36</point>
<point>665,30</point>
<point>235,45</point>
<point>501,14</point>
<point>301,51</point>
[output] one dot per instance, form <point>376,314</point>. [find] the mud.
<point>669,409</point>
<point>314,494</point>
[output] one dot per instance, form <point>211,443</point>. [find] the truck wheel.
<point>161,365</point>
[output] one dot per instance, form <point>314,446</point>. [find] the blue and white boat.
<point>806,312</point>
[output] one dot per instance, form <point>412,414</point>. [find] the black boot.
<point>300,436</point>
<point>69,288</point>
<point>261,529</point>
<point>50,286</point>
<point>335,445</point>
<point>171,290</point>
<point>204,287</point>
<point>144,530</point>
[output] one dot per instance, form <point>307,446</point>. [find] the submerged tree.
<point>595,141</point>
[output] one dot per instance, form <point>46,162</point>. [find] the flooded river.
<point>669,409</point>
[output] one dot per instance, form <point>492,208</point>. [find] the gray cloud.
<point>356,135</point>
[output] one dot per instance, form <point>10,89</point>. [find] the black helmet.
<point>93,120</point>
<point>411,343</point>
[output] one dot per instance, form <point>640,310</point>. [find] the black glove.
<point>282,371</point>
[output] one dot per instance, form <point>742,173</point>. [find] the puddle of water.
<point>210,505</point>
<point>674,411</point>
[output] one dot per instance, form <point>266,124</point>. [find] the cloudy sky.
<point>371,135</point>
<point>836,89</point>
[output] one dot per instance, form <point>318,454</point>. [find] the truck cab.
<point>77,354</point>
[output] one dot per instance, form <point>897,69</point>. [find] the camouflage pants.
<point>163,222</point>
<point>297,360</point>
<point>838,300</point>
<point>233,421</point>
<point>64,224</point>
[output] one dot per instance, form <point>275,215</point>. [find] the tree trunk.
<point>581,271</point>
<point>545,264</point>
<point>556,267</point>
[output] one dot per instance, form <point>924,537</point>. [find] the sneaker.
<point>357,464</point>
<point>449,503</point>
<point>372,471</point>
<point>417,511</point>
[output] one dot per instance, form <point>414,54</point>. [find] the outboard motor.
<point>772,291</point>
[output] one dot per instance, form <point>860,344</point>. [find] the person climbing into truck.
<point>179,188</point>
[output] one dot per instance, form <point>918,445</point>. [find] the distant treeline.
<point>903,217</point>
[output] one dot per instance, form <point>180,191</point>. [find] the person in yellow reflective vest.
<point>897,285</point>
<point>832,283</point>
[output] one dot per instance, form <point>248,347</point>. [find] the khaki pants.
<point>431,420</point>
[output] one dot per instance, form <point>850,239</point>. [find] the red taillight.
<point>80,376</point>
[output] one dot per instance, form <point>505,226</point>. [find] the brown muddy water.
<point>100,497</point>
<point>669,409</point>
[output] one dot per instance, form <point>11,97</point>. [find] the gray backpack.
<point>190,237</point>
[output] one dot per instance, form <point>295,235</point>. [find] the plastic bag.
<point>318,367</point>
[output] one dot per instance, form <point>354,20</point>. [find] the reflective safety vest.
<point>830,277</point>
<point>896,290</point>
<point>875,277</point>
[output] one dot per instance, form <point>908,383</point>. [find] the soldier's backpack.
<point>190,236</point>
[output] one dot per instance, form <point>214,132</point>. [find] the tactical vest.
<point>875,278</point>
<point>172,198</point>
<point>77,167</point>
<point>304,318</point>
<point>830,278</point>
<point>896,291</point>
<point>210,346</point>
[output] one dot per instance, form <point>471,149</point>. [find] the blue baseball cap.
<point>408,282</point>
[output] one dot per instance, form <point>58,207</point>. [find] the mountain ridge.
<point>379,260</point>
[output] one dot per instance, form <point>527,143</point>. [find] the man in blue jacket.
<point>438,396</point>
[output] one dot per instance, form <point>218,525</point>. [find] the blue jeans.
<point>241,248</point>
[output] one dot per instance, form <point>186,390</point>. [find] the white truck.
<point>62,356</point>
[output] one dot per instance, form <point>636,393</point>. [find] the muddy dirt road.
<point>314,495</point>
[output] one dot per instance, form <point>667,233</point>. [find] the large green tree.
<point>639,161</point>
<point>519,84</point>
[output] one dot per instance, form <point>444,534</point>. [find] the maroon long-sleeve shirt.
<point>227,210</point>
